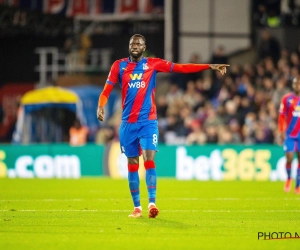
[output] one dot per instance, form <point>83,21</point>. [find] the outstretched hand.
<point>220,67</point>
<point>100,114</point>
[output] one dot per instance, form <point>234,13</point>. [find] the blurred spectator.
<point>268,47</point>
<point>195,58</point>
<point>280,90</point>
<point>78,134</point>
<point>260,14</point>
<point>268,88</point>
<point>105,135</point>
<point>262,134</point>
<point>219,56</point>
<point>211,132</point>
<point>259,100</point>
<point>197,136</point>
<point>212,119</point>
<point>182,128</point>
<point>162,106</point>
<point>190,96</point>
<point>224,136</point>
<point>235,71</point>
<point>174,94</point>
<point>267,12</point>
<point>230,112</point>
<point>273,19</point>
<point>235,131</point>
<point>249,128</point>
<point>210,88</point>
<point>244,108</point>
<point>294,6</point>
<point>295,61</point>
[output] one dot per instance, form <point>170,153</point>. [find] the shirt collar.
<point>129,60</point>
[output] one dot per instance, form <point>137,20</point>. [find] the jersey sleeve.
<point>113,75</point>
<point>282,107</point>
<point>161,65</point>
<point>282,114</point>
<point>189,68</point>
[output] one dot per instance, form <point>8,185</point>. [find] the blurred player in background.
<point>139,129</point>
<point>289,127</point>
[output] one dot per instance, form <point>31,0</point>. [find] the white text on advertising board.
<point>45,166</point>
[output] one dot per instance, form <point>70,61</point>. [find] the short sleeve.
<point>113,75</point>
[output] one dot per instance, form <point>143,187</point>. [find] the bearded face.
<point>136,47</point>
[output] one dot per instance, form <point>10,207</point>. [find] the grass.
<point>91,213</point>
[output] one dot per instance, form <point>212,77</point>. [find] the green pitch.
<point>92,214</point>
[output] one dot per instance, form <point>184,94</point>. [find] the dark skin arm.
<point>100,113</point>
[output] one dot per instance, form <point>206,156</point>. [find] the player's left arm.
<point>193,68</point>
<point>167,66</point>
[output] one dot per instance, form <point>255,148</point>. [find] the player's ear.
<point>144,48</point>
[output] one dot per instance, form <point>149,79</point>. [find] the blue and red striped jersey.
<point>290,110</point>
<point>138,82</point>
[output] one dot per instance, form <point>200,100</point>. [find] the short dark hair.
<point>140,36</point>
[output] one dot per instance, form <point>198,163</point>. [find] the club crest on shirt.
<point>145,66</point>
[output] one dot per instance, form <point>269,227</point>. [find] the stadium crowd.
<point>239,107</point>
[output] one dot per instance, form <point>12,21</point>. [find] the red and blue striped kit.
<point>138,83</point>
<point>290,108</point>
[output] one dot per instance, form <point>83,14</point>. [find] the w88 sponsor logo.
<point>137,84</point>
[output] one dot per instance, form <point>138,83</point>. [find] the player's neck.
<point>136,60</point>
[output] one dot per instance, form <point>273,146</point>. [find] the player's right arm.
<point>111,81</point>
<point>281,117</point>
